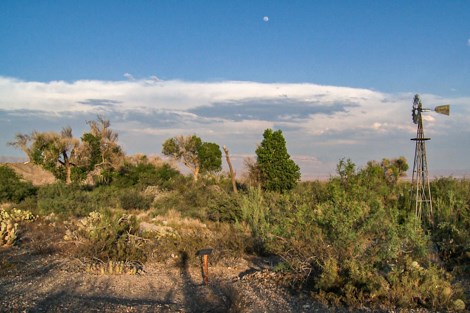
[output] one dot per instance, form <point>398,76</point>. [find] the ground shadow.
<point>199,297</point>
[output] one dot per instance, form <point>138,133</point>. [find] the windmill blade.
<point>443,109</point>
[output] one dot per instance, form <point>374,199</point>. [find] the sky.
<point>337,77</point>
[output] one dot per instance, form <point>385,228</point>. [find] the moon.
<point>266,18</point>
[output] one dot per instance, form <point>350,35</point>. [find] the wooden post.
<point>205,266</point>
<point>232,173</point>
<point>206,269</point>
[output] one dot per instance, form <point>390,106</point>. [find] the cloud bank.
<point>322,124</point>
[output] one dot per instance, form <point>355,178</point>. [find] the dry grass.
<point>174,219</point>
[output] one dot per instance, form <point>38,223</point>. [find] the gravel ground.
<point>47,283</point>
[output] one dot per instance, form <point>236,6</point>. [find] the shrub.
<point>107,237</point>
<point>177,236</point>
<point>354,245</point>
<point>74,200</point>
<point>203,199</point>
<point>132,200</point>
<point>223,207</point>
<point>143,174</point>
<point>12,188</point>
<point>451,220</point>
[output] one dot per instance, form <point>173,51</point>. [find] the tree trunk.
<point>68,171</point>
<point>196,173</point>
<point>232,173</point>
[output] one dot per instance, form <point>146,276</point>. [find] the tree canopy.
<point>55,152</point>
<point>278,171</point>
<point>67,157</point>
<point>198,156</point>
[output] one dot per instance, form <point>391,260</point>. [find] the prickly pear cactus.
<point>86,227</point>
<point>9,224</point>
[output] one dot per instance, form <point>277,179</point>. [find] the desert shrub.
<point>451,220</point>
<point>28,204</point>
<point>224,209</point>
<point>255,213</point>
<point>12,188</point>
<point>204,200</point>
<point>141,175</point>
<point>412,285</point>
<point>351,244</point>
<point>311,192</point>
<point>109,237</point>
<point>176,236</point>
<point>131,199</point>
<point>74,200</point>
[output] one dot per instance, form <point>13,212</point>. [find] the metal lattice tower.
<point>421,190</point>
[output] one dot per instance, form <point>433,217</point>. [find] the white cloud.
<point>468,42</point>
<point>324,122</point>
<point>129,76</point>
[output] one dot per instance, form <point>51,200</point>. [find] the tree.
<point>102,141</point>
<point>278,171</point>
<point>100,154</point>
<point>210,157</point>
<point>394,169</point>
<point>232,172</point>
<point>198,156</point>
<point>23,142</point>
<point>55,152</point>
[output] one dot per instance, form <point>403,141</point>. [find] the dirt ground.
<point>38,276</point>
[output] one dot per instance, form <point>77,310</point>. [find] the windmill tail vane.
<point>443,109</point>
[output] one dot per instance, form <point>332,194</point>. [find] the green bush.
<point>204,200</point>
<point>12,188</point>
<point>132,200</point>
<point>354,244</point>
<point>452,220</point>
<point>224,208</point>
<point>74,200</point>
<point>142,175</point>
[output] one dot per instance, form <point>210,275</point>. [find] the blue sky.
<point>338,77</point>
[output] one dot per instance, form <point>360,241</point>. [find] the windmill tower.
<point>421,191</point>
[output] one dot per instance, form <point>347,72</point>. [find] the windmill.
<point>421,191</point>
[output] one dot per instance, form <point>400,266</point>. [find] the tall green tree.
<point>210,157</point>
<point>278,171</point>
<point>198,156</point>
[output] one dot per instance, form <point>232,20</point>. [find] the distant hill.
<point>32,173</point>
<point>12,159</point>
